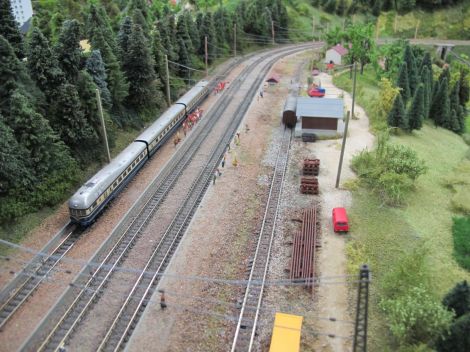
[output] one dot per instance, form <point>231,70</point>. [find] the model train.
<point>89,201</point>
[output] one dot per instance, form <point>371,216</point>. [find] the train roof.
<point>159,125</point>
<point>192,93</point>
<point>90,191</point>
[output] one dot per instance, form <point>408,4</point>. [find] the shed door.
<point>319,123</point>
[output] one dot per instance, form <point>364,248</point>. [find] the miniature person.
<point>246,128</point>
<point>261,93</point>
<point>218,172</point>
<point>214,177</point>
<point>162,299</point>
<point>223,160</point>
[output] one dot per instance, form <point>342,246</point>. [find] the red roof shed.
<point>273,79</point>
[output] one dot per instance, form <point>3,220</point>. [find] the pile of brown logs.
<point>309,184</point>
<point>302,266</point>
<point>311,167</point>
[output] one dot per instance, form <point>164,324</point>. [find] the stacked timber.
<point>302,268</point>
<point>311,167</point>
<point>309,185</point>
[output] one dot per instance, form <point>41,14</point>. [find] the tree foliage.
<point>397,116</point>
<point>9,28</point>
<point>415,113</point>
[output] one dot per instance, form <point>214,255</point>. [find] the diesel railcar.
<point>91,198</point>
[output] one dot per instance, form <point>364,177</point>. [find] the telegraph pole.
<point>168,97</point>
<point>235,39</point>
<point>105,137</point>
<point>345,133</point>
<point>360,327</point>
<point>272,30</point>
<point>205,49</point>
<point>313,28</point>
<point>416,30</point>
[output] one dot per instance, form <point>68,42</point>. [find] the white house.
<point>335,54</point>
<point>22,10</point>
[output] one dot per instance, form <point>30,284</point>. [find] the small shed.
<point>273,79</point>
<point>319,117</point>
<point>335,54</point>
<point>289,118</point>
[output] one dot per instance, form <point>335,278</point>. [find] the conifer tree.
<point>209,31</point>
<point>96,24</point>
<point>464,91</point>
<point>123,35</point>
<point>138,18</point>
<point>43,65</point>
<point>142,7</point>
<point>117,85</point>
<point>458,338</point>
<point>403,83</point>
<point>458,117</point>
<point>376,8</point>
<point>158,54</point>
<point>95,67</point>
<point>330,6</point>
<point>184,58</point>
<point>397,116</point>
<point>166,37</point>
<point>9,28</point>
<point>34,133</point>
<point>140,73</point>
<point>427,92</point>
<point>427,61</point>
<point>444,74</point>
<point>415,113</point>
<point>220,23</point>
<point>412,71</point>
<point>441,106</point>
<point>68,50</point>
<point>458,299</point>
<point>15,167</point>
<point>10,68</point>
<point>183,33</point>
<point>341,8</point>
<point>193,30</point>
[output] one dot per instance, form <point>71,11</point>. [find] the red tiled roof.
<point>340,49</point>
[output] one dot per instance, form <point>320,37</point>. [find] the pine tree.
<point>158,54</point>
<point>330,6</point>
<point>34,133</point>
<point>427,61</point>
<point>123,35</point>
<point>142,7</point>
<point>464,91</point>
<point>415,113</point>
<point>70,121</point>
<point>139,69</point>
<point>341,8</point>
<point>376,8</point>
<point>458,338</point>
<point>43,65</point>
<point>403,83</point>
<point>441,106</point>
<point>165,35</point>
<point>427,90</point>
<point>397,116</point>
<point>183,33</point>
<point>209,31</point>
<point>138,18</point>
<point>9,28</point>
<point>411,68</point>
<point>68,50</point>
<point>95,67</point>
<point>193,30</point>
<point>117,85</point>
<point>458,118</point>
<point>184,58</point>
<point>97,24</point>
<point>9,70</point>
<point>220,23</point>
<point>15,167</point>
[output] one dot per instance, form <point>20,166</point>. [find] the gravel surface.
<point>29,315</point>
<point>201,314</point>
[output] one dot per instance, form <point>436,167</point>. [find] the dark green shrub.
<point>461,234</point>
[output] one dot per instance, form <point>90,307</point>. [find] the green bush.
<point>461,234</point>
<point>458,339</point>
<point>390,170</point>
<point>416,317</point>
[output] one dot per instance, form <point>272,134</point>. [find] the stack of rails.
<point>303,256</point>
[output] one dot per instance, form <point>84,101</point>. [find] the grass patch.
<point>461,234</point>
<point>366,93</point>
<point>445,23</point>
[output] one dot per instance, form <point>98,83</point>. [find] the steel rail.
<point>246,326</point>
<point>126,319</point>
<point>85,293</point>
<point>22,292</point>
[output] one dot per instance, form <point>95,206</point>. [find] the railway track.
<point>248,318</point>
<point>134,305</point>
<point>17,296</point>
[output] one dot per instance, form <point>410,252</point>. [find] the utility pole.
<point>205,49</point>
<point>360,327</point>
<point>235,40</point>
<point>168,97</point>
<point>313,28</point>
<point>272,30</point>
<point>416,30</point>
<point>345,133</point>
<point>105,137</point>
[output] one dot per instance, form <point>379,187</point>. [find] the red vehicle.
<point>340,220</point>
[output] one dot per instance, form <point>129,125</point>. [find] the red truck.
<point>340,220</point>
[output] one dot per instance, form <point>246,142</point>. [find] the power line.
<point>189,68</point>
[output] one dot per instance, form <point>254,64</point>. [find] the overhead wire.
<point>189,68</point>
